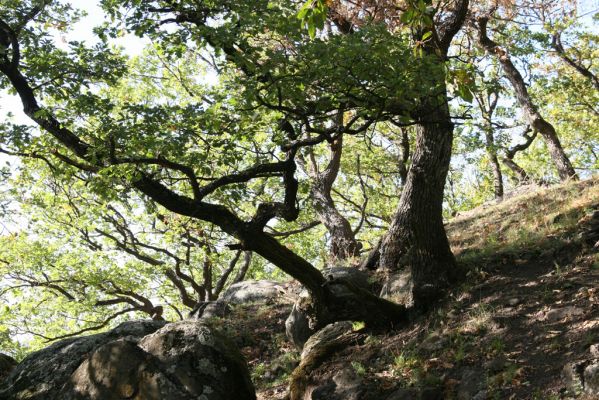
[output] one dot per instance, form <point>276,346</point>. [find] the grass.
<point>518,224</point>
<point>530,239</point>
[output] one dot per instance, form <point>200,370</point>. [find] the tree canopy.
<point>306,133</point>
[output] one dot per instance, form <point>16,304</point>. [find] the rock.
<point>482,395</point>
<point>319,348</point>
<point>345,385</point>
<point>434,342</point>
<point>141,360</point>
<point>558,314</point>
<point>121,370</point>
<point>204,361</point>
<point>471,384</point>
<point>7,364</point>
<point>591,378</point>
<point>326,337</point>
<point>298,326</point>
<point>514,301</point>
<point>582,377</point>
<point>252,291</point>
<point>210,309</point>
<point>42,374</point>
<point>398,287</point>
<point>594,350</point>
<point>355,276</point>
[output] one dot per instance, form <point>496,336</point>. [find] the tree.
<point>103,262</point>
<point>416,238</point>
<point>343,238</point>
<point>125,145</point>
<point>530,110</point>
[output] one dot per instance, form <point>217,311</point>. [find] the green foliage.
<point>209,94</point>
<point>313,15</point>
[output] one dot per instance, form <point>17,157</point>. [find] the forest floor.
<point>529,306</point>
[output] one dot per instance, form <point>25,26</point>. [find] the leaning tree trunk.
<point>343,239</point>
<point>416,237</point>
<point>536,120</point>
<point>520,174</point>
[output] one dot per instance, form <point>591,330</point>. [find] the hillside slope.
<point>529,306</point>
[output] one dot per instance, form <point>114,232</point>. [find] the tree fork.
<point>558,155</point>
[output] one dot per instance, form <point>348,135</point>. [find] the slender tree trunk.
<point>495,166</point>
<point>556,43</point>
<point>247,260</point>
<point>416,237</point>
<point>404,157</point>
<point>535,119</point>
<point>519,172</point>
<point>343,239</point>
<point>521,175</point>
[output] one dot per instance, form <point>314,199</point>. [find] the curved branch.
<point>556,43</point>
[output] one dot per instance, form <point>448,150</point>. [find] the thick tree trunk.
<point>416,237</point>
<point>535,119</point>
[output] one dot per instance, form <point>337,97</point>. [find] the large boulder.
<point>143,360</point>
<point>252,292</point>
<point>398,287</point>
<point>7,364</point>
<point>344,384</point>
<point>299,326</point>
<point>210,309</point>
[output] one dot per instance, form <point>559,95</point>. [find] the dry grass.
<point>540,214</point>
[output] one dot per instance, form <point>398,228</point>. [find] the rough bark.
<point>416,237</point>
<point>508,160</point>
<point>343,239</point>
<point>534,117</point>
<point>520,174</point>
<point>404,157</point>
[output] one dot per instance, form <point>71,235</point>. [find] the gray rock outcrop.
<point>582,377</point>
<point>210,309</point>
<point>298,326</point>
<point>252,291</point>
<point>7,364</point>
<point>344,384</point>
<point>141,360</point>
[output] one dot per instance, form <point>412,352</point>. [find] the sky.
<point>81,31</point>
